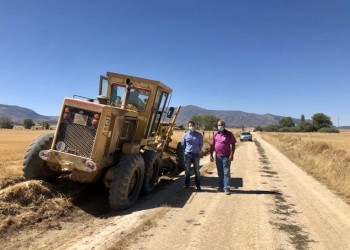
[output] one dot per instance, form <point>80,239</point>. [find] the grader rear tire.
<point>126,182</point>
<point>152,166</point>
<point>180,157</point>
<point>34,168</point>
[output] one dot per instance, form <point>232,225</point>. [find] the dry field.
<point>324,156</point>
<point>13,146</point>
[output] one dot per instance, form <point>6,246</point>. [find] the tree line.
<point>205,122</point>
<point>320,122</point>
<point>7,123</point>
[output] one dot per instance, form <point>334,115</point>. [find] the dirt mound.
<point>11,181</point>
<point>30,203</point>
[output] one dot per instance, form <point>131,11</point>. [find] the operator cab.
<point>147,97</point>
<point>138,97</point>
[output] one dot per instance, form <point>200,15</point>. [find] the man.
<point>224,144</point>
<point>192,143</point>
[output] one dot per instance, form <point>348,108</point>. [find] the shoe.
<point>199,188</point>
<point>227,192</point>
<point>220,190</point>
<point>186,187</point>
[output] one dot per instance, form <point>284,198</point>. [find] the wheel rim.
<point>152,179</point>
<point>135,179</point>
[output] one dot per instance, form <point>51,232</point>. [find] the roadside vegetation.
<point>320,123</point>
<point>324,156</point>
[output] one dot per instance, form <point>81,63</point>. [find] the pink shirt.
<point>222,143</point>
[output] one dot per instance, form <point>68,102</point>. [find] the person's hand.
<point>211,158</point>
<point>231,158</point>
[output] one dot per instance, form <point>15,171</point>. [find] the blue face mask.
<point>191,129</point>
<point>221,128</point>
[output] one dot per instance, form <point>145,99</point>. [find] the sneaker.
<point>199,188</point>
<point>227,192</point>
<point>220,190</point>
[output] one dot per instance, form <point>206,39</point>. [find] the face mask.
<point>191,129</point>
<point>221,128</point>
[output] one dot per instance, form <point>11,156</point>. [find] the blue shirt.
<point>192,142</point>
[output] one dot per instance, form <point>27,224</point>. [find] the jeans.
<point>223,165</point>
<point>189,159</point>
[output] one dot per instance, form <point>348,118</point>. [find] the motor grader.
<point>118,137</point>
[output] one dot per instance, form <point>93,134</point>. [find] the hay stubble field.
<point>13,146</point>
<point>324,156</point>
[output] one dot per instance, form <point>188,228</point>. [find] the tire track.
<point>284,210</point>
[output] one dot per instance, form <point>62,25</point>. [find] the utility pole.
<point>338,121</point>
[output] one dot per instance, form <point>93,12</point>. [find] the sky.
<point>281,57</point>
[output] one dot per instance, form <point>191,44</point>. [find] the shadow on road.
<point>170,192</point>
<point>210,184</point>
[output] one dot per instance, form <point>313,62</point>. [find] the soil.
<point>278,207</point>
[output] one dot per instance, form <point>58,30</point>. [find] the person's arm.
<point>200,142</point>
<point>211,150</point>
<point>232,151</point>
<point>183,142</point>
<point>233,147</point>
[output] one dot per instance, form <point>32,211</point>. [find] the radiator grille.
<point>78,139</point>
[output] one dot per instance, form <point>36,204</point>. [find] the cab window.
<point>139,98</point>
<point>157,112</point>
<point>103,86</point>
<point>117,92</point>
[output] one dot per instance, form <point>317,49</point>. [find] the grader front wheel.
<point>33,166</point>
<point>126,182</point>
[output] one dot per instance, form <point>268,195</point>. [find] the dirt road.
<point>279,207</point>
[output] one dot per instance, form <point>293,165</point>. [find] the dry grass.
<point>28,203</point>
<point>13,146</point>
<point>325,156</point>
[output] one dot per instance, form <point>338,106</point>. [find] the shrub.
<point>287,122</point>
<point>309,128</point>
<point>321,120</point>
<point>288,129</point>
<point>258,128</point>
<point>46,125</point>
<point>328,130</point>
<point>6,122</point>
<point>272,128</point>
<point>28,123</point>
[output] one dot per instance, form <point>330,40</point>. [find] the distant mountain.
<point>232,118</point>
<point>18,114</point>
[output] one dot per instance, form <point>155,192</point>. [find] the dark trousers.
<point>189,159</point>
